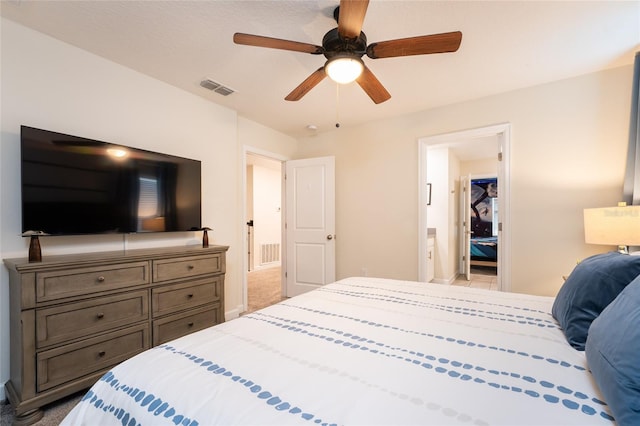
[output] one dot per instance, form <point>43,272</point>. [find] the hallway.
<point>264,288</point>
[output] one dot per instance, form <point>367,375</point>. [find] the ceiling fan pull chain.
<point>337,105</point>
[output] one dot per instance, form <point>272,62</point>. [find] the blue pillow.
<point>613,354</point>
<point>590,287</point>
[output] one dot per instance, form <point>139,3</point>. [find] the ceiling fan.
<point>344,47</point>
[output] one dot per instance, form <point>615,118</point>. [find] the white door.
<point>310,224</point>
<point>465,221</point>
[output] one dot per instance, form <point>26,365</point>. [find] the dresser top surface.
<point>23,264</point>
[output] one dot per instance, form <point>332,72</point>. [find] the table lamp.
<point>615,226</point>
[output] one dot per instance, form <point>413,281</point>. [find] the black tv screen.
<point>73,185</point>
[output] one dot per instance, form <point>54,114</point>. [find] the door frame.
<point>246,150</point>
<point>503,132</point>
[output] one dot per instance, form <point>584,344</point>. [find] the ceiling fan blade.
<point>421,45</point>
<point>276,43</point>
<point>350,17</point>
<point>304,87</point>
<point>372,86</point>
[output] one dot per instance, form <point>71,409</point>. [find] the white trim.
<point>503,131</point>
<point>234,313</point>
<point>257,151</point>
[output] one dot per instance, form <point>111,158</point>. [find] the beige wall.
<point>440,161</point>
<point>568,148</point>
<point>52,85</point>
<point>264,140</point>
<point>484,167</point>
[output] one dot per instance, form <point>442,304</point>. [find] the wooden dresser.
<point>72,317</point>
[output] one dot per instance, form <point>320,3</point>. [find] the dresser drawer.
<point>178,325</point>
<point>178,297</point>
<point>171,269</point>
<point>85,319</point>
<point>72,362</point>
<point>82,281</point>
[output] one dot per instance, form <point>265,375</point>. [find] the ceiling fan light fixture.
<point>344,69</point>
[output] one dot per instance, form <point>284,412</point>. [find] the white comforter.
<point>361,351</point>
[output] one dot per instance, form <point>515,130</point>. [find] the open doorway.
<point>443,160</point>
<point>263,231</point>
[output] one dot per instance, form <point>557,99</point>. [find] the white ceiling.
<point>505,46</point>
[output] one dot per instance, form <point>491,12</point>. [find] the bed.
<point>484,251</point>
<point>361,351</point>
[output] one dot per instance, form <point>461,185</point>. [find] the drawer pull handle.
<point>101,354</point>
<point>100,315</point>
<point>101,279</point>
<point>190,267</point>
<point>189,296</point>
<point>190,324</point>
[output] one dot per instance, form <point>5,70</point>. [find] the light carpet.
<point>264,288</point>
<point>53,413</point>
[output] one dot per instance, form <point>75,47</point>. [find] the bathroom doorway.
<point>440,169</point>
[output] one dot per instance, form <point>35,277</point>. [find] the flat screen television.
<point>73,186</point>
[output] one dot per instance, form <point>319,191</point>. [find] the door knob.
<point>329,237</point>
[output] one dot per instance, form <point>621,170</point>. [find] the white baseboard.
<point>234,313</point>
<point>448,281</point>
<point>267,266</point>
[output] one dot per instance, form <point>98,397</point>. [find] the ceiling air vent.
<point>224,91</point>
<point>216,87</point>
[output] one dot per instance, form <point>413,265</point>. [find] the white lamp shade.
<point>618,226</point>
<point>343,69</point>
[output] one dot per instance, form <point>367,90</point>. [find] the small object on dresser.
<point>35,252</point>
<point>205,237</point>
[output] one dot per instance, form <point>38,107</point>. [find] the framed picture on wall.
<point>428,194</point>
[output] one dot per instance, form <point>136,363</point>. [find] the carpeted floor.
<point>53,413</point>
<point>264,288</point>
